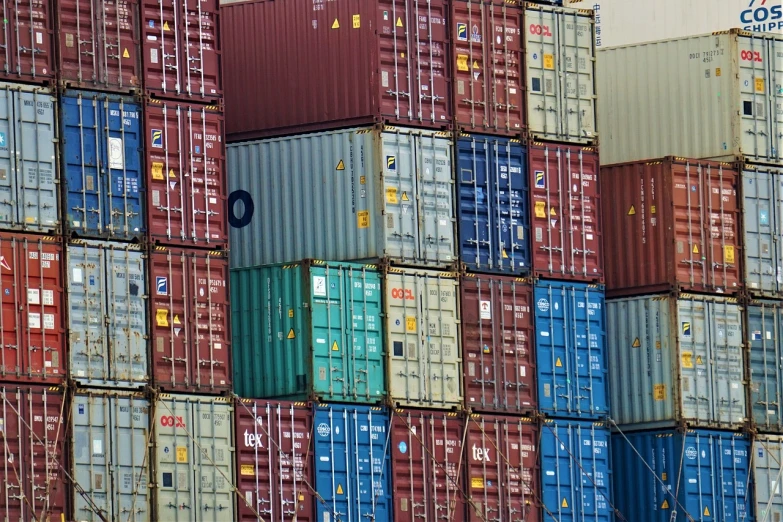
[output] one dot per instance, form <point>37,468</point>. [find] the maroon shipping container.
<point>566,214</point>
<point>33,452</point>
<point>497,344</point>
<point>295,66</point>
<point>673,225</point>
<point>186,180</point>
<point>181,46</point>
<point>32,332</point>
<point>488,86</point>
<point>502,466</point>
<point>427,466</point>
<point>274,470</point>
<point>27,54</point>
<point>99,44</point>
<point>191,340</point>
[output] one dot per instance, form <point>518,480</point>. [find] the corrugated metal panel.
<point>763,336</point>
<point>274,461</point>
<point>426,466</point>
<point>502,466</point>
<point>497,344</point>
<point>352,463</point>
<point>560,73</point>
<point>721,102</point>
<point>28,48</point>
<point>576,471</point>
<point>673,224</point>
<point>766,461</point>
<point>421,310</point>
<point>316,326</point>
<point>102,143</point>
<point>566,213</point>
<point>762,206</point>
<point>571,353</point>
<point>494,215</point>
<point>351,194</point>
<point>110,433</point>
<point>676,360</point>
<point>679,477</point>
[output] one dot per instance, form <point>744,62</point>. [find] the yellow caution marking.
<point>166,26</point>
<point>157,170</point>
<point>462,62</point>
<point>759,84</point>
<point>363,180</point>
<point>664,476</point>
<point>665,504</point>
<point>247,470</point>
<point>659,392</point>
<point>391,195</point>
<point>549,61</point>
<point>410,324</point>
<point>335,24</point>
<point>632,211</point>
<point>540,209</point>
<point>552,211</point>
<point>335,348</point>
<point>695,249</point>
<point>728,254</point>
<point>558,363</point>
<point>291,334</point>
<point>477,483</point>
<point>707,511</point>
<point>182,454</point>
<point>162,317</point>
<point>475,64</point>
<point>564,503</point>
<point>405,196</point>
<point>399,22</point>
<point>717,71</point>
<point>687,360</point>
<point>503,254</point>
<point>652,209</point>
<point>357,21</point>
<point>636,343</point>
<point>341,165</point>
<point>176,320</point>
<point>171,173</point>
<point>339,489</point>
<point>363,219</point>
<point>698,360</point>
<point>125,53</point>
<point>291,313</point>
<point>301,497</point>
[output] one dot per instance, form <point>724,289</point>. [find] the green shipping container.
<point>311,330</point>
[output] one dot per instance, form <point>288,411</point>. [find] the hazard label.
<point>665,504</point>
<point>157,170</point>
<point>503,254</point>
<point>335,348</point>
<point>339,489</point>
<point>291,334</point>
<point>632,211</point>
<point>564,503</point>
<point>552,211</point>
<point>335,24</point>
<point>695,249</point>
<point>698,360</point>
<point>363,219</point>
<point>558,363</point>
<point>357,21</point>
<point>462,62</point>
<point>125,53</point>
<point>391,195</point>
<point>162,317</point>
<point>636,343</point>
<point>475,64</point>
<point>166,26</point>
<point>341,165</point>
<point>171,173</point>
<point>405,196</point>
<point>659,392</point>
<point>707,511</point>
<point>399,22</point>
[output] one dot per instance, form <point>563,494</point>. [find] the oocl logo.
<point>400,293</point>
<point>759,16</point>
<point>169,421</point>
<point>540,30</point>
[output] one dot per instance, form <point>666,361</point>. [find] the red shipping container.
<point>274,470</point>
<point>497,344</point>
<point>502,467</point>
<point>98,44</point>
<point>316,65</point>
<point>191,340</point>
<point>28,51</point>
<point>488,86</point>
<point>674,226</point>
<point>427,466</point>
<point>32,332</point>
<point>181,46</point>
<point>566,214</point>
<point>33,453</point>
<point>186,180</point>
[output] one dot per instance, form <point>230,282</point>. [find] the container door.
<point>696,364</point>
<point>722,228</point>
<point>430,68</point>
<point>762,204</point>
<point>12,354</point>
<point>756,87</point>
<point>213,455</point>
<point>91,458</point>
<point>28,50</point>
<point>475,196</point>
<point>175,472</point>
<point>767,458</point>
<point>162,46</point>
<point>129,445</point>
<point>764,337</point>
<point>692,238</point>
<point>728,369</point>
<point>8,179</point>
<point>774,82</point>
<point>434,198</point>
<point>200,49</point>
<point>733,465</point>
<point>12,421</point>
<point>399,175</point>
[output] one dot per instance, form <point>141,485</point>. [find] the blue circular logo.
<point>403,447</point>
<point>166,449</point>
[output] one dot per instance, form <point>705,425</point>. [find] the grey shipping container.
<point>763,322</point>
<point>110,435</point>
<point>762,210</point>
<point>720,98</point>
<point>676,359</point>
<point>356,194</point>
<point>767,469</point>
<point>107,314</point>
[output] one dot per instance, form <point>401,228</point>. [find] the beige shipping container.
<point>716,96</point>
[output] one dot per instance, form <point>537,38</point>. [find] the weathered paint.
<point>765,351</point>
<point>766,467</point>
<point>762,225</point>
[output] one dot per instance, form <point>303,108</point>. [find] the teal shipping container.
<point>310,330</point>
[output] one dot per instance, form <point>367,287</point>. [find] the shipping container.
<point>28,43</point>
<point>560,73</point>
<point>101,155</point>
<point>679,476</point>
<point>352,463</point>
<point>192,452</point>
<point>98,44</point>
<point>28,169</point>
<point>672,225</point>
<point>311,330</point>
<point>186,180</point>
<point>32,330</point>
<point>493,207</point>
<point>502,463</point>
<point>33,452</point>
<point>487,49</point>
<point>676,360</point>
<point>421,312</point>
<point>181,48</point>
<point>566,212</point>
<point>576,471</point>
<point>342,64</point>
<point>497,344</point>
<point>765,375</point>
<point>354,194</point>
<point>766,472</point>
<point>427,475</point>
<point>110,468</point>
<point>722,102</point>
<point>107,314</point>
<point>274,461</point>
<point>571,351</point>
<point>191,338</point>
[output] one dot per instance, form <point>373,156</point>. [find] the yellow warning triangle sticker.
<point>339,489</point>
<point>559,363</point>
<point>636,343</point>
<point>291,334</point>
<point>564,503</point>
<point>698,360</point>
<point>341,165</point>
<point>707,511</point>
<point>166,26</point>
<point>503,254</point>
<point>301,497</point>
<point>336,24</point>
<point>665,504</point>
<point>125,53</point>
<point>695,249</point>
<point>176,320</point>
<point>399,22</point>
<point>475,64</point>
<point>552,211</point>
<point>171,173</point>
<point>405,196</point>
<point>632,211</point>
<point>335,348</point>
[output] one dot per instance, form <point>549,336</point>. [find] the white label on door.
<point>116,154</point>
<point>48,297</point>
<point>39,38</point>
<point>33,296</point>
<point>49,321</point>
<point>522,371</point>
<point>486,310</point>
<point>34,320</point>
<point>77,275</point>
<point>319,286</point>
<point>154,55</point>
<point>97,446</point>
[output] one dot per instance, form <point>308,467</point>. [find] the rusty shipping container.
<point>427,469</point>
<point>33,453</point>
<point>186,182</point>
<point>336,64</point>
<point>27,53</point>
<point>191,340</point>
<point>566,212</point>
<point>273,461</point>
<point>497,344</point>
<point>673,225</point>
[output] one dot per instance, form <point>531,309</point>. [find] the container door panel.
<point>31,39</point>
<point>722,229</point>
<point>89,344</point>
<point>8,179</point>
<point>472,101</point>
<point>755,93</point>
<point>162,46</point>
<point>81,151</point>
<point>332,354</point>
<point>407,382</point>
<point>44,412</point>
<point>129,446</point>
<point>395,60</point>
<point>767,459</point>
<point>726,336</point>
<point>369,448</point>
<point>761,201</point>
<point>12,421</point>
<point>201,49</point>
<point>438,302</point>
<point>581,215</point>
<point>429,38</point>
<point>213,456</point>
<point>690,234</point>
<point>333,479</point>
<point>575,65</point>
<point>544,86</point>
<point>435,199</point>
<point>503,68</point>
<point>12,357</point>
<point>121,159</point>
<point>475,197</point>
<point>91,463</point>
<point>549,241</point>
<point>695,360</point>
<point>78,28</point>
<point>764,354</point>
<point>509,208</point>
<point>700,490</point>
<point>589,387</point>
<point>166,164</point>
<point>121,60</point>
<point>127,317</point>
<point>172,346</point>
<point>402,202</point>
<point>775,80</point>
<point>175,474</point>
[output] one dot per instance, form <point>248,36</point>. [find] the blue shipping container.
<point>571,350</point>
<point>103,167</point>
<point>763,321</point>
<point>699,474</point>
<point>576,471</point>
<point>352,463</point>
<point>494,222</point>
